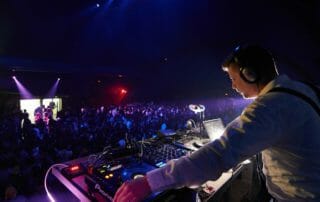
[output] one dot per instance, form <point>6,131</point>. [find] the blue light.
<point>160,164</point>
<point>98,5</point>
<point>237,48</point>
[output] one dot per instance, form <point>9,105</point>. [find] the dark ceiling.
<point>177,43</point>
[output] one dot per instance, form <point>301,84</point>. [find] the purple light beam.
<point>24,93</point>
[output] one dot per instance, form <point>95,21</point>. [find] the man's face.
<point>247,90</point>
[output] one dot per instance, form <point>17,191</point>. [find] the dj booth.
<point>97,177</point>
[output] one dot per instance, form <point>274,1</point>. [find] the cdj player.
<point>97,177</point>
<point>99,180</point>
<point>110,175</point>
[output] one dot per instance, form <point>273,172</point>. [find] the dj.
<point>282,125</point>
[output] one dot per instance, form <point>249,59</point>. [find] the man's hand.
<point>133,191</point>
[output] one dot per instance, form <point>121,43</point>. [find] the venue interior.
<point>82,78</point>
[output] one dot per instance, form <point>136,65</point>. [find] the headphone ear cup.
<point>248,75</point>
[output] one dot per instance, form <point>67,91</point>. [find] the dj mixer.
<point>97,177</point>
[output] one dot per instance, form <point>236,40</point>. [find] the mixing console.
<point>110,175</point>
<point>98,178</point>
<point>158,154</point>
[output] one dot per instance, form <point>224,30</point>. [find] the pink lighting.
<point>123,91</point>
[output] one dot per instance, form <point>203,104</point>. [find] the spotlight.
<point>97,5</point>
<point>53,90</point>
<point>123,91</point>
<point>24,93</point>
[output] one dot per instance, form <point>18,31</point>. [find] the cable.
<point>46,176</point>
<point>94,159</point>
<point>141,148</point>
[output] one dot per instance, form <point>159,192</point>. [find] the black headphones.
<point>248,75</point>
<point>247,71</point>
<point>256,64</point>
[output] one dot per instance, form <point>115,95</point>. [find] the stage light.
<point>123,91</point>
<point>118,93</point>
<point>24,93</point>
<point>97,5</point>
<point>53,90</point>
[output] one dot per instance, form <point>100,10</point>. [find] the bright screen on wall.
<point>55,102</point>
<point>33,105</point>
<point>30,105</point>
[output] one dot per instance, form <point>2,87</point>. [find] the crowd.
<point>28,149</point>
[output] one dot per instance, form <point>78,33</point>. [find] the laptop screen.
<point>214,128</point>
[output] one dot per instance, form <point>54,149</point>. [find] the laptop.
<point>214,128</point>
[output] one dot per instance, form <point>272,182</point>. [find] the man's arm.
<point>256,129</point>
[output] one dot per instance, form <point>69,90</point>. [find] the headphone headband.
<point>256,63</point>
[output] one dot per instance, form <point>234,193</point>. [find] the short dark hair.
<point>255,59</point>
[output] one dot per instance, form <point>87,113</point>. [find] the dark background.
<point>156,49</point>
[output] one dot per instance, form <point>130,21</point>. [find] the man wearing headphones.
<point>283,123</point>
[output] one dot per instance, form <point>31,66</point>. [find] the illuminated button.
<point>138,176</point>
<point>74,168</point>
<point>113,168</point>
<point>102,171</point>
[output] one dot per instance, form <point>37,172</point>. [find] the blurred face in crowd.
<point>247,90</point>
